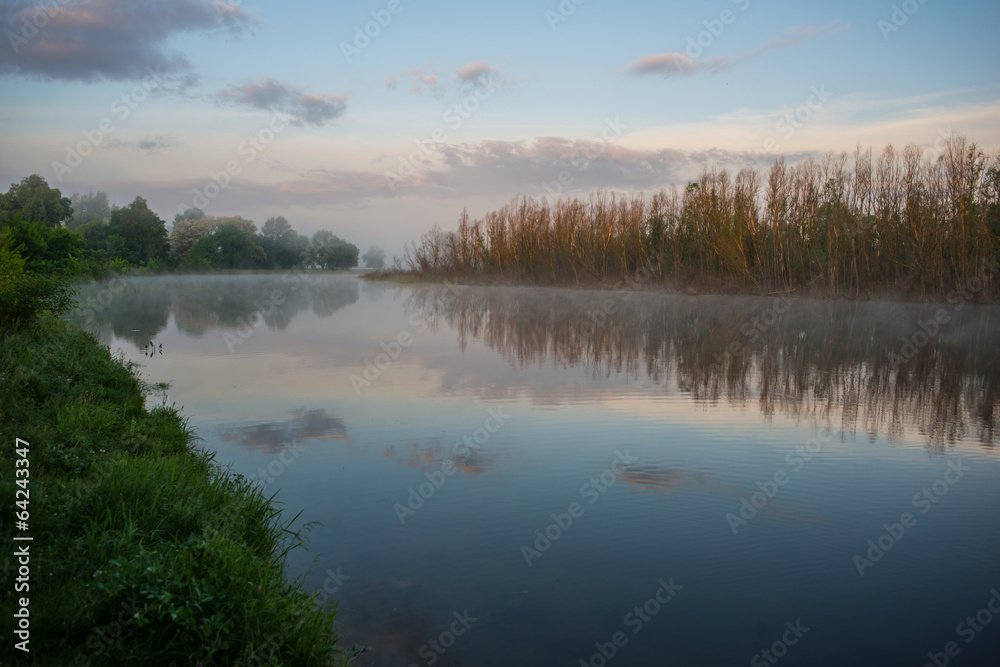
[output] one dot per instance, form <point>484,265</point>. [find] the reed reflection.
<point>853,365</point>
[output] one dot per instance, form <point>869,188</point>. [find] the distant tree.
<point>331,252</point>
<point>35,201</point>
<point>187,232</point>
<point>89,207</point>
<point>374,258</point>
<point>275,228</point>
<point>285,248</point>
<point>142,236</point>
<point>230,246</point>
<point>246,225</point>
<point>189,214</point>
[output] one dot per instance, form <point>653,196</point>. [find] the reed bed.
<point>844,225</point>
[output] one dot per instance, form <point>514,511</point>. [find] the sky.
<point>379,119</point>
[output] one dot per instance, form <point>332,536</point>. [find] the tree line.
<point>899,223</point>
<point>86,234</point>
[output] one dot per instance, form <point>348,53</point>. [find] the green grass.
<point>145,551</point>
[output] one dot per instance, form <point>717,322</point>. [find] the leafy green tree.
<point>45,249</point>
<point>187,232</point>
<point>230,246</point>
<point>143,236</point>
<point>328,251</point>
<point>285,248</point>
<point>35,201</point>
<point>374,258</point>
<point>89,207</point>
<point>247,225</point>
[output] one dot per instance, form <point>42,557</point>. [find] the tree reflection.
<point>141,309</point>
<point>852,365</point>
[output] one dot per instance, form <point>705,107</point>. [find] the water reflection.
<point>272,437</point>
<point>138,309</point>
<point>865,366</point>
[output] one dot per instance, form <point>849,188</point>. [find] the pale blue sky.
<point>346,135</point>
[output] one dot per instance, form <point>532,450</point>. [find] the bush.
<point>23,295</point>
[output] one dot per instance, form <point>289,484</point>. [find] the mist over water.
<point>692,472</point>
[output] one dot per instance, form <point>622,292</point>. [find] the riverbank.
<point>143,550</point>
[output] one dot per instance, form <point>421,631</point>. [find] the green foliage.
<point>136,234</point>
<point>331,252</point>
<point>45,249</point>
<point>25,295</point>
<point>285,248</point>
<point>230,246</point>
<point>35,201</point>
<point>187,231</point>
<point>144,536</point>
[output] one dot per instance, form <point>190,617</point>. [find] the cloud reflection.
<point>272,437</point>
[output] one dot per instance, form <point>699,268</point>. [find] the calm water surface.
<point>522,476</point>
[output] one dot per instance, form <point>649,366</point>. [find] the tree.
<point>36,202</point>
<point>285,248</point>
<point>246,225</point>
<point>230,246</point>
<point>44,249</point>
<point>187,232</point>
<point>143,235</point>
<point>374,258</point>
<point>331,252</point>
<point>189,214</point>
<point>89,207</point>
<point>275,228</point>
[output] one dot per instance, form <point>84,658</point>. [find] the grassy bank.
<point>899,224</point>
<point>144,552</point>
